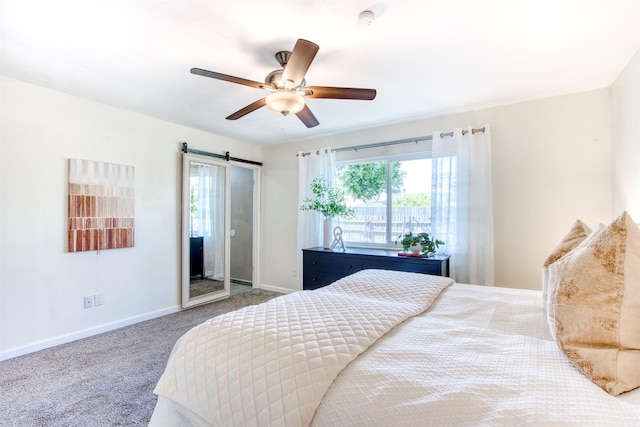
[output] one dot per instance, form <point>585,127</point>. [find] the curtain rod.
<point>186,149</point>
<point>399,141</point>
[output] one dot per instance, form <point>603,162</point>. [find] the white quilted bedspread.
<point>272,364</point>
<point>478,357</point>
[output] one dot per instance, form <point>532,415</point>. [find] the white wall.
<point>625,144</point>
<point>41,285</point>
<point>551,165</point>
<point>551,160</point>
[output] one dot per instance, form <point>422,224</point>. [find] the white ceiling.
<point>425,58</point>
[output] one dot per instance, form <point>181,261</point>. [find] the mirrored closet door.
<point>205,230</point>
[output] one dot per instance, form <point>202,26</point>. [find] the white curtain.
<point>209,205</point>
<point>462,202</point>
<point>318,163</point>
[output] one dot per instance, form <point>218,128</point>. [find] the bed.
<point>384,348</point>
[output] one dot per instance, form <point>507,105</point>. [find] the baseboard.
<point>277,289</point>
<point>85,333</point>
<point>241,282</point>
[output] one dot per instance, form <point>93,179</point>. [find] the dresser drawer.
<point>321,267</point>
<point>334,264</point>
<point>421,266</point>
<point>318,279</point>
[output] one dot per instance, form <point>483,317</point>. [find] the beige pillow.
<point>574,237</point>
<point>596,305</point>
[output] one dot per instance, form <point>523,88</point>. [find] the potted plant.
<point>329,202</point>
<point>419,243</point>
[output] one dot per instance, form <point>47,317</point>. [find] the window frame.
<point>390,158</point>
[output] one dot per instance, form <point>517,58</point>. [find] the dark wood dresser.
<point>196,256</point>
<point>321,267</point>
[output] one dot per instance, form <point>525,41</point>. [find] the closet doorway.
<point>244,232</point>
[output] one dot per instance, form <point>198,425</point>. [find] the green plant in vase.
<point>419,243</point>
<point>329,201</point>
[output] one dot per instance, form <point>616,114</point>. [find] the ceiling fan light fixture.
<point>285,102</point>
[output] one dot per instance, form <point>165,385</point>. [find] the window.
<point>389,195</point>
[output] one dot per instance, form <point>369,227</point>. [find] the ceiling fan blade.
<point>227,78</point>
<point>301,56</point>
<point>306,116</point>
<point>339,93</point>
<point>248,109</point>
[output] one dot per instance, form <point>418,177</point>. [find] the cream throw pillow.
<point>574,237</point>
<point>596,305</point>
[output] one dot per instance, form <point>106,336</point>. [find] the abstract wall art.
<point>101,206</point>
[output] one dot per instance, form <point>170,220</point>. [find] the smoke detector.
<point>366,18</point>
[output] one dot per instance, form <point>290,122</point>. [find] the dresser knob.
<point>315,263</point>
<point>350,267</point>
<point>314,280</point>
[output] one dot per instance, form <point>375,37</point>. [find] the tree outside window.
<point>389,197</point>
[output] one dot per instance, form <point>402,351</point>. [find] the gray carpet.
<point>105,380</point>
<point>199,287</point>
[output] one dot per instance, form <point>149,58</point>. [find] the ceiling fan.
<point>287,86</point>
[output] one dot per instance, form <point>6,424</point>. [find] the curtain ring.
<point>443,134</point>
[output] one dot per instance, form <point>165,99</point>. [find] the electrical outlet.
<point>294,272</point>
<point>88,302</point>
<point>98,299</point>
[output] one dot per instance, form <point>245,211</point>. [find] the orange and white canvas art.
<point>101,205</point>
